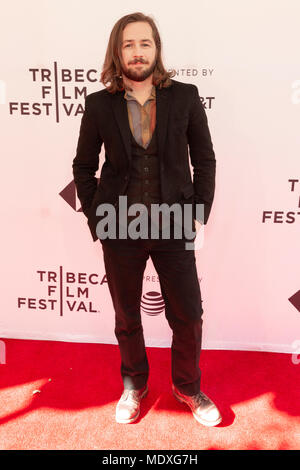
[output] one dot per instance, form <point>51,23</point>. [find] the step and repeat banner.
<point>244,59</point>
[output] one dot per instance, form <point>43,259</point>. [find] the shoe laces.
<point>201,399</point>
<point>131,395</point>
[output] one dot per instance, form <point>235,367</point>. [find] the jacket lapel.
<point>121,115</point>
<point>162,115</point>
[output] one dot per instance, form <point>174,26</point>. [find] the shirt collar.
<point>129,96</point>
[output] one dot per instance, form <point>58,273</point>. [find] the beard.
<point>138,76</point>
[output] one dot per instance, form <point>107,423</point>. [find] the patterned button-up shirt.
<point>142,119</point>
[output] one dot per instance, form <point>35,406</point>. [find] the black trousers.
<point>125,261</point>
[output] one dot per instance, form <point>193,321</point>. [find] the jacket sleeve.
<point>86,161</point>
<point>201,154</point>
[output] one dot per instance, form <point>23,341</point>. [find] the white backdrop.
<point>244,58</point>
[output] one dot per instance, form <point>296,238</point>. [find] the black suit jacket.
<point>182,136</point>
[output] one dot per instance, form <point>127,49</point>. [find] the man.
<point>146,121</point>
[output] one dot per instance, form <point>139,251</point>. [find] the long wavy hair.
<point>111,75</point>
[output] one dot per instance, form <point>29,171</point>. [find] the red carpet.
<point>79,385</point>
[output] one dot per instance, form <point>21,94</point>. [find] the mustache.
<point>138,61</point>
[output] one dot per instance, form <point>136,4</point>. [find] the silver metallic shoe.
<point>203,409</point>
<point>128,407</point>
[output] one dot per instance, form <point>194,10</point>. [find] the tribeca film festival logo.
<point>64,292</point>
<point>60,91</point>
<point>288,217</point>
<point>280,217</point>
<point>61,88</point>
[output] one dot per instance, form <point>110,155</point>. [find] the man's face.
<point>138,51</point>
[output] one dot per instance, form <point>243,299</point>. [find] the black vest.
<point>144,182</point>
